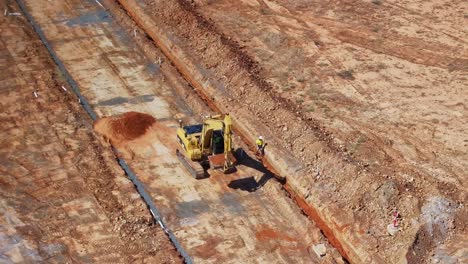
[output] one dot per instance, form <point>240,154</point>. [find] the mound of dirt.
<point>125,127</point>
<point>132,125</point>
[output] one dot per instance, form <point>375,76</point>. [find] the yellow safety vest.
<point>259,142</point>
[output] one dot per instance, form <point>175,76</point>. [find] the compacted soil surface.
<point>63,197</point>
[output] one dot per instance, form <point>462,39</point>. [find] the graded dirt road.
<point>242,217</point>
<point>63,197</point>
<point>368,96</point>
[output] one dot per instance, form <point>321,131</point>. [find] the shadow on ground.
<point>250,184</point>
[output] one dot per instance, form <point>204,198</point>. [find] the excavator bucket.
<point>219,162</point>
<point>193,167</point>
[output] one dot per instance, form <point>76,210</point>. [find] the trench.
<point>309,210</point>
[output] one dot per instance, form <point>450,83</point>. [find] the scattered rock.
<point>387,194</point>
<point>392,230</point>
<point>320,250</point>
<point>438,214</point>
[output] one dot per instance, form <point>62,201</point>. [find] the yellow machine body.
<point>212,138</point>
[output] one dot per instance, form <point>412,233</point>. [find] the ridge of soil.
<point>255,72</point>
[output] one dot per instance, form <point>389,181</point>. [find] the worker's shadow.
<point>250,184</point>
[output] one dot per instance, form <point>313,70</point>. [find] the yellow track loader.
<point>207,145</point>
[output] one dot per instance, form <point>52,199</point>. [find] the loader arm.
<point>228,163</point>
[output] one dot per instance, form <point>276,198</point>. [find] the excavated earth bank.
<point>352,198</point>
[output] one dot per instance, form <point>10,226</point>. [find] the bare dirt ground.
<point>63,197</point>
<point>241,217</point>
<point>387,78</point>
<point>369,95</point>
<point>256,208</point>
<point>362,103</point>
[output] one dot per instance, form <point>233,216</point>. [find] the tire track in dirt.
<point>411,49</point>
<point>423,17</point>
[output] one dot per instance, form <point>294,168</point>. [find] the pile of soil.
<point>123,128</point>
<point>132,125</point>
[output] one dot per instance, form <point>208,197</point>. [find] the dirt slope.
<point>364,151</point>
<point>390,85</point>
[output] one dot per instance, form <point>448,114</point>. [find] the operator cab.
<point>193,129</point>
<point>218,142</point>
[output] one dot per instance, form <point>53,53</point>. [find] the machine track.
<point>193,167</point>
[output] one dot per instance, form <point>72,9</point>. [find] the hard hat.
<point>260,137</point>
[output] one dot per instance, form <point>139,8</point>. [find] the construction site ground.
<point>362,103</point>
<point>63,197</point>
<point>67,199</point>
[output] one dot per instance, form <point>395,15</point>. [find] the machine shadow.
<point>250,184</point>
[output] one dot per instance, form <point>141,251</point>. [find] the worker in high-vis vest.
<point>260,142</point>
